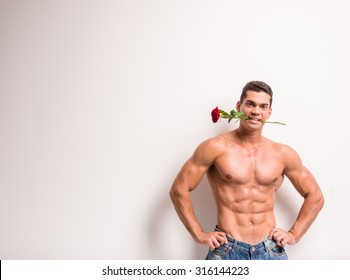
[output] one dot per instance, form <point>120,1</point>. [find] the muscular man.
<point>244,170</point>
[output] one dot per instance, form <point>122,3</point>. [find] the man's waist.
<point>237,235</point>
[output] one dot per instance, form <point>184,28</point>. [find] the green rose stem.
<point>240,115</point>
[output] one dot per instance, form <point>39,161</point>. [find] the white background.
<point>101,102</point>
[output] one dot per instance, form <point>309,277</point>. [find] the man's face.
<point>256,106</point>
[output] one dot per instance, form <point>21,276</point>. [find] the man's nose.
<point>256,110</point>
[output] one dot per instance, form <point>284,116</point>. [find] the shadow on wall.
<point>287,205</point>
<point>205,210</point>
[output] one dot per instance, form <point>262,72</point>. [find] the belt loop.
<point>234,241</point>
<point>265,243</point>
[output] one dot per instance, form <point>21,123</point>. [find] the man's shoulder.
<point>215,144</point>
<point>210,149</point>
<point>218,140</point>
<point>281,148</point>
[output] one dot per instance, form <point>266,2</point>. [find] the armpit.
<point>278,182</point>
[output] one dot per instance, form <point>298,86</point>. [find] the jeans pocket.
<point>222,251</point>
<point>277,250</point>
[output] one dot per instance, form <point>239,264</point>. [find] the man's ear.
<point>238,106</point>
<point>270,112</point>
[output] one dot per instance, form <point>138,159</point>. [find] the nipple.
<point>228,176</point>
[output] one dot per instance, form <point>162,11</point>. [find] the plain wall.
<point>101,102</point>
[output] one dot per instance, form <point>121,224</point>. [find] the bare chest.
<point>261,167</point>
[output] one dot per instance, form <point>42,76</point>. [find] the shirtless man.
<point>244,170</point>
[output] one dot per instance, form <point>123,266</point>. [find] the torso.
<point>244,180</point>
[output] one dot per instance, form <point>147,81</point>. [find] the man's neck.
<point>249,137</point>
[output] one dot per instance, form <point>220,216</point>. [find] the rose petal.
<point>215,115</point>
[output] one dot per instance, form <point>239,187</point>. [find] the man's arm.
<point>186,181</point>
<point>305,183</point>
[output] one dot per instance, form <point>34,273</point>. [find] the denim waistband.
<point>267,242</point>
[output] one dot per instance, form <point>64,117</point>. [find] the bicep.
<point>301,178</point>
<point>190,175</point>
<point>303,181</point>
<point>194,168</point>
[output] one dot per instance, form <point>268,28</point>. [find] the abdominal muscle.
<point>243,183</point>
<point>245,212</point>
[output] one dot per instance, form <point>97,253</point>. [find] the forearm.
<point>311,207</point>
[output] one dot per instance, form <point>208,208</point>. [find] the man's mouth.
<point>254,119</point>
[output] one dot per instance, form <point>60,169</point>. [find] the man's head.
<point>255,103</point>
<point>256,86</point>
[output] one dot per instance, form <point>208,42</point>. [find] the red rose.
<point>215,115</point>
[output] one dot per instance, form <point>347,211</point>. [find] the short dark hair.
<point>256,86</point>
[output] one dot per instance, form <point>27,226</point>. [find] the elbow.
<point>177,193</point>
<point>173,193</point>
<point>315,200</point>
<point>319,201</point>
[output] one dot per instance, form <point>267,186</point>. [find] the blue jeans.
<point>237,250</point>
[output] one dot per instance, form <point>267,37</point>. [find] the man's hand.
<point>214,239</point>
<point>282,237</point>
